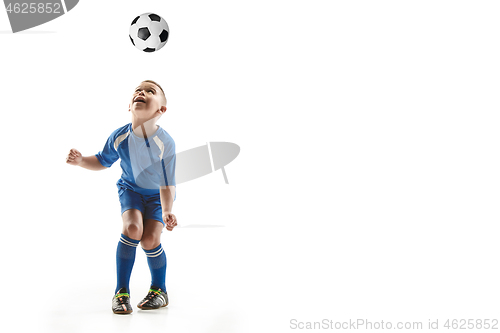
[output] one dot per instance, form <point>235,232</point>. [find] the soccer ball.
<point>149,32</point>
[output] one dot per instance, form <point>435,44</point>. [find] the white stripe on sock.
<point>155,254</point>
<point>126,242</point>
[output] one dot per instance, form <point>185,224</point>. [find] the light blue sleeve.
<point>168,164</point>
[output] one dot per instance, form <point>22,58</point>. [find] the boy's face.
<point>147,101</point>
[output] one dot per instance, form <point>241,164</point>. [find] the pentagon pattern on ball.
<point>143,33</point>
<point>164,36</point>
<point>154,17</point>
<point>149,32</point>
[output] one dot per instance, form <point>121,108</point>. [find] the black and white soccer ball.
<point>149,32</point>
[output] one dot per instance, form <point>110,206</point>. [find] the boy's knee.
<point>149,241</point>
<point>132,224</point>
<point>132,230</point>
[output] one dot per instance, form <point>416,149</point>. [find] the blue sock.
<point>157,262</point>
<point>125,257</point>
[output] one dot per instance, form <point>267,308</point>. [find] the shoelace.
<point>121,301</point>
<point>152,293</point>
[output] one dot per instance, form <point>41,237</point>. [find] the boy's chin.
<point>143,115</point>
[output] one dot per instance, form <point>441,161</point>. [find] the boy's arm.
<point>92,163</point>
<point>167,194</point>
<point>87,162</point>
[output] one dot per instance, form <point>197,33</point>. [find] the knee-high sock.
<point>125,257</point>
<point>157,262</point>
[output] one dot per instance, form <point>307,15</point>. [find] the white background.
<point>367,185</point>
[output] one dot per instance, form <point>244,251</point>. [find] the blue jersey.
<point>147,164</point>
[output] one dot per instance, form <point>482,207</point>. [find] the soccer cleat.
<point>155,299</point>
<point>121,302</point>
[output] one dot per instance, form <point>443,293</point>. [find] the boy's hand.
<point>170,221</point>
<point>74,157</point>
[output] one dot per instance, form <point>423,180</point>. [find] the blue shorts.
<point>149,205</point>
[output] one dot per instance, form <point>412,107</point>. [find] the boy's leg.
<point>157,261</point>
<point>151,244</point>
<point>132,224</point>
<point>125,252</point>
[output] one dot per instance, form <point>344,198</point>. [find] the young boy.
<point>146,190</point>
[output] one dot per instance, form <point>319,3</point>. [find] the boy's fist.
<point>74,157</point>
<point>170,221</point>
